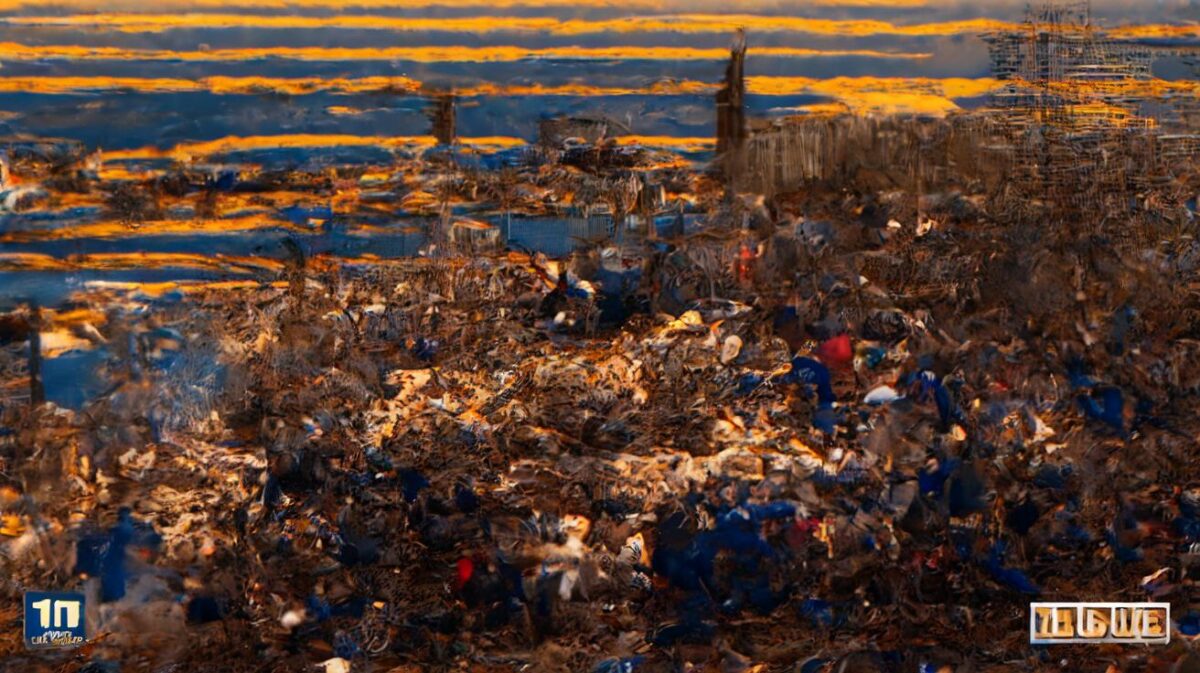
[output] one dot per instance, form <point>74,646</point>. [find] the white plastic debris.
<point>925,226</point>
<point>567,584</point>
<point>882,395</point>
<point>336,665</point>
<point>292,618</point>
<point>1160,575</point>
<point>731,348</point>
<point>1041,431</point>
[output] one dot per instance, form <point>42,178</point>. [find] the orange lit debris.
<point>110,229</point>
<point>26,261</point>
<point>228,144</point>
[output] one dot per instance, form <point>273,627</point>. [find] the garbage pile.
<point>829,448</point>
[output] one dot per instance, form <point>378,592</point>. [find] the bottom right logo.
<point>1055,623</point>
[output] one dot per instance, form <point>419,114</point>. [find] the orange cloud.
<point>307,85</point>
<point>219,85</point>
<point>951,87</point>
<point>859,94</point>
<point>652,5</point>
<point>430,54</point>
<point>682,23</point>
<point>664,88</point>
<point>1135,32</point>
<point>677,23</point>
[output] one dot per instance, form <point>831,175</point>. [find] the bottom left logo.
<point>54,619</point>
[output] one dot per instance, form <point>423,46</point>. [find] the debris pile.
<point>802,446</point>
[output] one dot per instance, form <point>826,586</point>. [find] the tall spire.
<point>731,108</point>
<point>443,118</point>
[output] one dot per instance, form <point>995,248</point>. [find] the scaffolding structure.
<point>1089,125</point>
<point>1080,126</point>
<point>1060,69</point>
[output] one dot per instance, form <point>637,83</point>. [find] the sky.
<point>130,74</point>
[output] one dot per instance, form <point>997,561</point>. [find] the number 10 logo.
<point>66,613</point>
<point>54,619</point>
